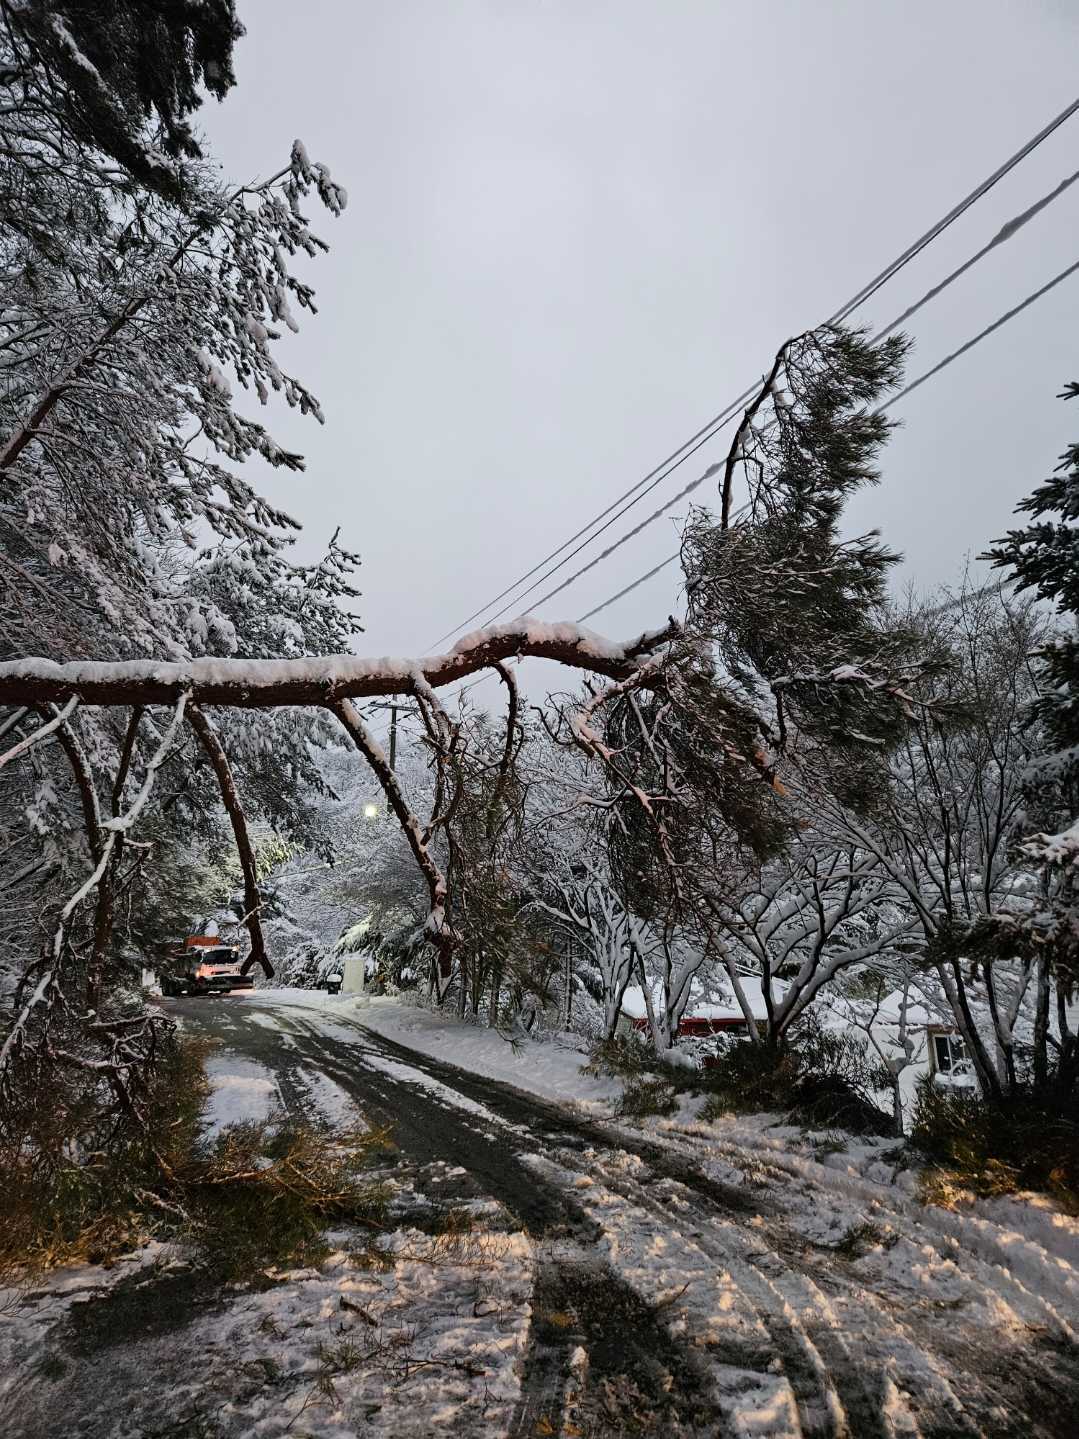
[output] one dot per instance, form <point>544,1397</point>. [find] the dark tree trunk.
<point>1041,1026</point>
<point>207,737</point>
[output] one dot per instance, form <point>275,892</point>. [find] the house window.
<point>948,1051</point>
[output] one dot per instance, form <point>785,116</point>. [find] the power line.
<point>960,209</point>
<point>718,421</point>
<point>1005,233</point>
<point>693,484</point>
<point>621,593</point>
<point>471,684</point>
<point>989,329</point>
<point>902,394</point>
<point>702,436</point>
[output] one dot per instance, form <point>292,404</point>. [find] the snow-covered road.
<point>667,1278</point>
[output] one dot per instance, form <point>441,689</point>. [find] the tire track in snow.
<point>632,1359</point>
<point>996,1256</point>
<point>761,1328</point>
<point>875,1376</point>
<point>851,1364</point>
<point>991,1259</point>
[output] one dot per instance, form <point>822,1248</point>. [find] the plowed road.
<point>685,1285</point>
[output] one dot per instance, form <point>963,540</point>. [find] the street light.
<point>370,811</point>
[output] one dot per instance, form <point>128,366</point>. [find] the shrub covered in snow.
<point>816,1078</point>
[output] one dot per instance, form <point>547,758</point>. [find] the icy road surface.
<point>666,1280</point>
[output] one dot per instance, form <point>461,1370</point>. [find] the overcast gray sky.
<point>577,228</point>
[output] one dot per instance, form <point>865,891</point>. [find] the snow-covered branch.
<point>42,732</point>
<point>322,679</point>
<point>47,985</point>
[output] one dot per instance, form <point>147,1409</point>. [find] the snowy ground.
<point>859,1165</point>
<point>431,1337</point>
<point>664,1277</point>
<point>547,1066</point>
<point>142,1350</point>
<point>240,1091</point>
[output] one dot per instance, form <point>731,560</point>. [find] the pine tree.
<point>141,300</point>
<point>123,76</point>
<point>790,677</point>
<point>797,612</point>
<point>1044,557</point>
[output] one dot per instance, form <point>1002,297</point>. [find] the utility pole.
<point>393,736</point>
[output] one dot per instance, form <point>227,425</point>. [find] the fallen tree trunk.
<point>320,679</point>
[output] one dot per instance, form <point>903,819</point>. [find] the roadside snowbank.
<point>550,1068</point>
<point>301,998</point>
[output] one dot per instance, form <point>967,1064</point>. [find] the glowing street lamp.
<point>370,811</point>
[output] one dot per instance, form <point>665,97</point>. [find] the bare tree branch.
<point>125,758</point>
<point>439,932</point>
<point>215,752</point>
<point>513,704</point>
<point>47,987</point>
<point>84,780</point>
<point>737,449</point>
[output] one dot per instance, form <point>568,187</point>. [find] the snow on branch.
<point>323,679</point>
<point>42,732</point>
<point>47,987</point>
<point>1055,849</point>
